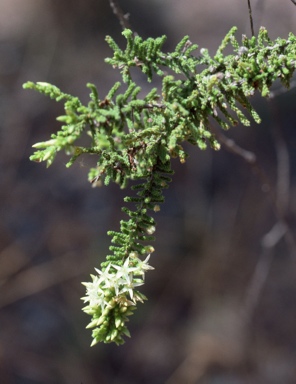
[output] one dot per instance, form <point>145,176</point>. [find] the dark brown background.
<point>197,326</point>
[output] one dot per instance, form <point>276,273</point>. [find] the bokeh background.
<point>222,298</point>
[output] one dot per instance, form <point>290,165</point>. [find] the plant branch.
<point>135,138</point>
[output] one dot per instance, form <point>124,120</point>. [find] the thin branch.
<point>251,17</point>
<point>251,159</point>
<point>260,275</point>
<point>230,144</point>
<point>118,12</point>
<point>279,202</point>
<point>279,230</point>
<point>294,2</point>
<point>38,278</point>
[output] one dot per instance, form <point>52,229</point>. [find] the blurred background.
<point>222,298</point>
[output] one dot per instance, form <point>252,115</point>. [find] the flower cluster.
<point>111,297</point>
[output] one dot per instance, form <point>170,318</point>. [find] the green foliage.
<point>135,138</point>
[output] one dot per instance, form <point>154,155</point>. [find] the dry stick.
<point>272,238</point>
<point>230,144</point>
<point>283,175</point>
<point>260,275</point>
<point>12,260</point>
<point>279,230</point>
<point>251,17</point>
<point>118,12</point>
<point>38,278</point>
<point>294,2</point>
<point>251,159</point>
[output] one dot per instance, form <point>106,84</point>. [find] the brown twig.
<point>260,275</point>
<point>279,200</point>
<point>278,231</point>
<point>231,146</point>
<point>251,17</point>
<point>118,12</point>
<point>38,278</point>
<point>251,159</point>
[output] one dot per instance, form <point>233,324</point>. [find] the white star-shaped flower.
<point>124,271</point>
<point>94,293</point>
<point>143,266</point>
<point>130,287</point>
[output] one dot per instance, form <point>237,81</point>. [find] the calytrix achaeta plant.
<point>135,138</point>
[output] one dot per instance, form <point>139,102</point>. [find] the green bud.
<point>94,342</point>
<point>114,334</point>
<point>126,332</point>
<point>118,322</point>
<point>45,144</point>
